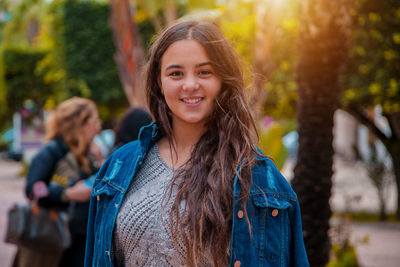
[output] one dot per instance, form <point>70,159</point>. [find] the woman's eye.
<point>175,74</point>
<point>205,72</point>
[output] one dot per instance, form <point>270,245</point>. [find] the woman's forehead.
<point>184,51</point>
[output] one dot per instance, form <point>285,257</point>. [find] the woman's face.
<point>92,127</point>
<point>188,82</point>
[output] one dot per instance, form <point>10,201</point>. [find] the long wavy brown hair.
<point>205,184</point>
<point>67,122</point>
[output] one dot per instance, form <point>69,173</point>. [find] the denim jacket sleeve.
<point>297,249</point>
<point>298,255</point>
<point>90,236</point>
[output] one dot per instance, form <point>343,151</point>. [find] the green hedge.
<point>89,51</point>
<point>20,80</point>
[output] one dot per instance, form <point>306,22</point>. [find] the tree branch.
<point>394,123</point>
<point>362,118</point>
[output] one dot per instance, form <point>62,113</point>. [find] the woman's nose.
<point>190,83</point>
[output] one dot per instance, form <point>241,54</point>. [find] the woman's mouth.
<point>192,101</point>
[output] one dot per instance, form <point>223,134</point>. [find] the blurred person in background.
<point>70,130</point>
<point>129,126</point>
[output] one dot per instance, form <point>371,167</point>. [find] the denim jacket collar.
<point>148,135</point>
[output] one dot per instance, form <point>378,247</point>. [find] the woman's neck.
<point>185,137</point>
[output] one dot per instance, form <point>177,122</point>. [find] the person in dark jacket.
<point>70,130</point>
<point>129,126</point>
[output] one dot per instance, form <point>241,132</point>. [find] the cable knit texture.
<point>142,235</point>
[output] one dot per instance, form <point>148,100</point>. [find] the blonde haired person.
<point>70,130</point>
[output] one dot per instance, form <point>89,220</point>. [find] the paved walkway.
<point>382,249</point>
<point>353,191</point>
<point>10,192</point>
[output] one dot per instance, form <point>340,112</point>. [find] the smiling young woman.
<point>193,190</point>
<point>189,84</point>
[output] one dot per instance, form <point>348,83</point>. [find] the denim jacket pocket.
<point>271,228</point>
<point>105,184</point>
<point>105,188</point>
<point>270,200</point>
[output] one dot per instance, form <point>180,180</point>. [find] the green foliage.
<point>3,90</point>
<point>153,12</point>
<point>73,55</point>
<point>24,169</point>
<point>80,59</point>
<point>4,10</point>
<point>281,85</point>
<point>53,65</point>
<point>363,216</point>
<point>202,4</point>
<point>19,55</point>
<point>271,143</point>
<point>238,24</point>
<point>373,72</point>
<point>25,16</point>
<point>21,81</point>
<point>20,64</point>
<point>88,47</point>
<point>282,92</point>
<point>343,251</point>
<point>343,257</point>
<point>147,32</point>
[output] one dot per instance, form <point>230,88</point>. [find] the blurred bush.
<point>343,253</point>
<point>271,143</point>
<point>21,81</point>
<point>81,54</point>
<point>54,50</point>
<point>343,256</point>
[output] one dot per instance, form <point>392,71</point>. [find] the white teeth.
<point>192,100</point>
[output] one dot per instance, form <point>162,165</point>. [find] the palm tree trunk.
<point>322,44</point>
<point>130,53</point>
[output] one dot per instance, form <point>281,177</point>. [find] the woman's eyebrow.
<point>203,64</point>
<point>180,67</point>
<point>173,67</point>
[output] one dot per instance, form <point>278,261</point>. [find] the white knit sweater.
<point>142,235</point>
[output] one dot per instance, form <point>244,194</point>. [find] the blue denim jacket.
<point>274,213</point>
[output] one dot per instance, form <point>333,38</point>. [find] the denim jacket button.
<point>240,214</point>
<point>98,197</point>
<point>275,212</point>
<point>237,264</point>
